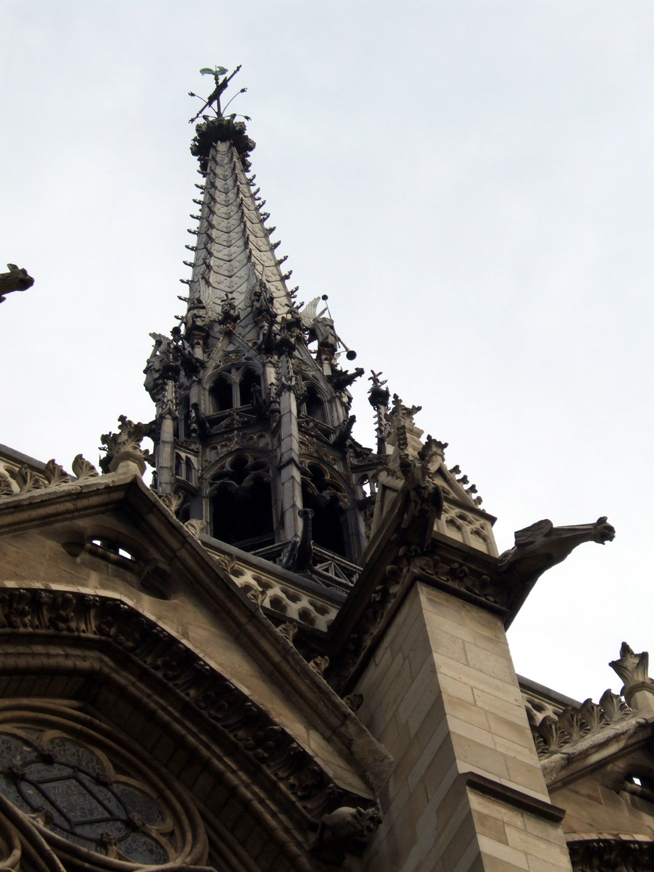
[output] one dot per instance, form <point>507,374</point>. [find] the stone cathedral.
<point>287,654</point>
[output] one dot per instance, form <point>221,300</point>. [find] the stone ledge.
<point>511,796</point>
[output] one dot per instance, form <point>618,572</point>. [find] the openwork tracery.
<point>241,500</point>
<point>91,801</point>
<point>324,494</point>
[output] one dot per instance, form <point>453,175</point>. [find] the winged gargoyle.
<point>16,279</point>
<point>542,545</point>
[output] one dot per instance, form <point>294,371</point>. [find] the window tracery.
<point>234,388</point>
<point>325,495</point>
<point>68,788</point>
<point>80,800</point>
<point>241,502</point>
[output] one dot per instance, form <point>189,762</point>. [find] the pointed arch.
<point>242,502</point>
<point>326,496</point>
<point>221,392</point>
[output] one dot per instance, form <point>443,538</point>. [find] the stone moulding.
<point>511,796</point>
<point>244,723</point>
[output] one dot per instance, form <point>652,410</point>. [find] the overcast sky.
<point>472,183</point>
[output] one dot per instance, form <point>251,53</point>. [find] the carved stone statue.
<point>229,316</point>
<point>170,356</point>
<point>197,317</point>
<point>16,279</point>
<point>160,365</point>
<point>319,327</point>
<point>298,553</point>
<point>345,831</point>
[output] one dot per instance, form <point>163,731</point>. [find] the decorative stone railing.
<point>268,592</point>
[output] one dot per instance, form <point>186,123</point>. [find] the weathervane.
<point>213,100</point>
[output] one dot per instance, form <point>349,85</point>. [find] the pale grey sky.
<point>471,182</point>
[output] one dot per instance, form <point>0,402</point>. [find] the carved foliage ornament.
<point>241,720</point>
<point>53,475</point>
<point>552,732</point>
<point>631,667</point>
<point>125,445</point>
<point>611,855</point>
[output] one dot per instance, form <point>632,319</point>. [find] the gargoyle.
<point>344,432</point>
<point>341,379</point>
<point>345,831</point>
<point>542,545</point>
<point>15,280</point>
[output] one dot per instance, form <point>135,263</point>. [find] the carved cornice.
<point>466,573</point>
<point>608,852</point>
<point>241,720</point>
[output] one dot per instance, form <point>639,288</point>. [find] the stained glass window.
<point>65,786</point>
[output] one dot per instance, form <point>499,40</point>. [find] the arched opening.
<point>328,504</point>
<point>453,529</point>
<point>248,382</point>
<point>241,504</point>
<point>313,404</point>
<point>179,466</point>
<point>190,471</point>
<point>222,394</point>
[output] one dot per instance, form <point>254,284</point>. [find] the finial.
<point>633,669</point>
<point>378,395</point>
<point>219,127</point>
<point>123,449</point>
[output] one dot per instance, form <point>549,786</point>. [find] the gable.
<point>117,543</point>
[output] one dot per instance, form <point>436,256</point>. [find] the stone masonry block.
<point>503,852</point>
<point>472,755</point>
<point>547,850</point>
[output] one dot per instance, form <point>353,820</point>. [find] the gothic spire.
<point>253,424</point>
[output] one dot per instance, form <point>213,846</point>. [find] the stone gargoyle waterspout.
<point>16,279</point>
<point>539,547</point>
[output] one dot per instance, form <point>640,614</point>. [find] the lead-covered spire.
<point>236,272</point>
